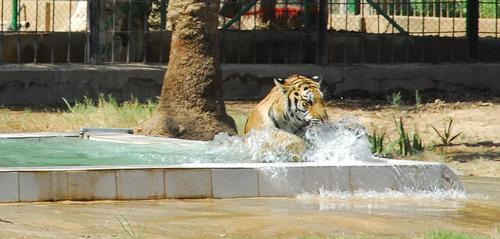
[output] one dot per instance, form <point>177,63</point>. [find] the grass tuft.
<point>138,233</point>
<point>446,136</point>
<point>395,99</point>
<point>377,142</point>
<point>408,145</point>
<point>449,235</point>
<point>418,99</point>
<point>107,112</point>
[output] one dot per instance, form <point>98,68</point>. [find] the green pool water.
<point>61,151</point>
<point>344,141</point>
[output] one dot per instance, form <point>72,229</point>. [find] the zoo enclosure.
<point>265,31</point>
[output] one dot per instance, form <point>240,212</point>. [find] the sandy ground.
<point>475,152</point>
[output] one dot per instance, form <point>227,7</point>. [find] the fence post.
<point>472,29</point>
<point>93,16</point>
<point>15,9</point>
<point>322,53</point>
<point>163,14</point>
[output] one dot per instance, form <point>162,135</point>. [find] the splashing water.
<point>344,141</point>
<point>258,146</point>
<point>393,194</point>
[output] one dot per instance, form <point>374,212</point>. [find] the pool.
<point>73,151</point>
<point>37,167</point>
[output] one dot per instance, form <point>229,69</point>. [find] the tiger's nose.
<point>323,117</point>
<point>318,121</point>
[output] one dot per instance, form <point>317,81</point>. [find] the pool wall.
<point>217,181</point>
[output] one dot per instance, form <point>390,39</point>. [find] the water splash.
<point>393,194</point>
<point>449,195</point>
<point>344,141</point>
<point>266,145</point>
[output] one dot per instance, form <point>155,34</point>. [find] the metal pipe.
<point>322,52</point>
<point>380,11</point>
<point>242,11</point>
<point>163,15</point>
<point>93,16</point>
<point>1,32</point>
<point>472,28</point>
<point>13,22</point>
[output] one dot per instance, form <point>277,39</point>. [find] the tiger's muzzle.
<point>318,122</point>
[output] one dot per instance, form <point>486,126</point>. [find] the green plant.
<point>418,99</point>
<point>489,9</point>
<point>84,106</point>
<point>67,104</point>
<point>446,136</point>
<point>377,142</point>
<point>449,235</point>
<point>446,9</point>
<point>417,144</point>
<point>394,99</point>
<point>405,145</point>
<point>129,229</point>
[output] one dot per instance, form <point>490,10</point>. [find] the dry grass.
<point>106,112</point>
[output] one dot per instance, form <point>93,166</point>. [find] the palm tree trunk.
<point>191,104</point>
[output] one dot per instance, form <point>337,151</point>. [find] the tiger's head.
<point>301,104</point>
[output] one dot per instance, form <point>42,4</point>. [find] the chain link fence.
<point>251,31</point>
<point>44,15</point>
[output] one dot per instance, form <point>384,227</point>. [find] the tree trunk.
<point>191,105</point>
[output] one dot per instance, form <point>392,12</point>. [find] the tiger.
<point>292,105</point>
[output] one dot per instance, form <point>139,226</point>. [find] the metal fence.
<point>251,31</point>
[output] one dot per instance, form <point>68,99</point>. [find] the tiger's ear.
<point>318,79</point>
<point>280,83</point>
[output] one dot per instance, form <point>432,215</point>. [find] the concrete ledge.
<point>214,181</point>
<point>34,84</point>
<point>37,135</point>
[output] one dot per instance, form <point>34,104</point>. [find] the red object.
<point>290,10</point>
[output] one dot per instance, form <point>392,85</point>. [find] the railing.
<point>264,31</point>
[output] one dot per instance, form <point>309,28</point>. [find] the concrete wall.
<point>31,84</point>
<point>260,46</point>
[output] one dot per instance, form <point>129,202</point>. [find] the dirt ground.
<point>476,152</point>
